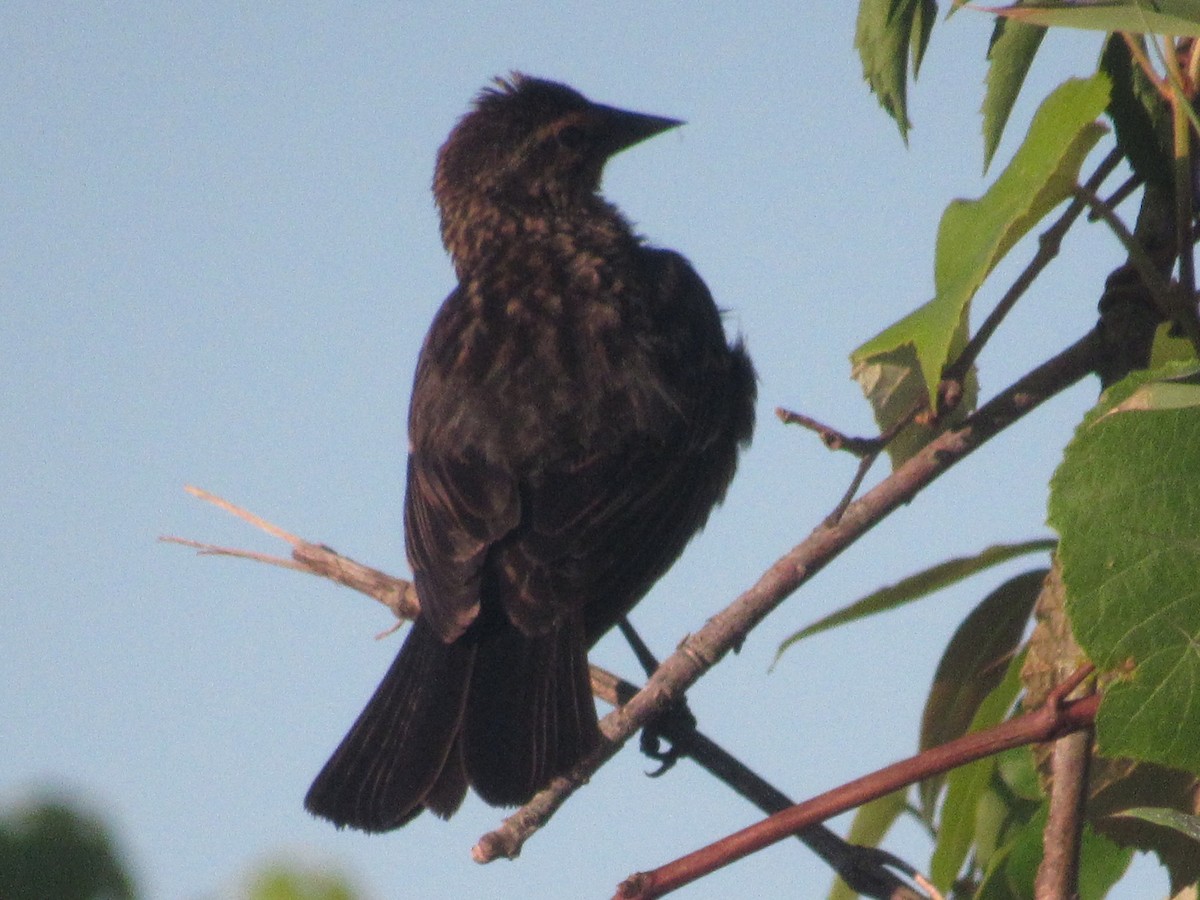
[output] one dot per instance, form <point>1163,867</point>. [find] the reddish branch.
<point>1058,873</point>
<point>1052,720</point>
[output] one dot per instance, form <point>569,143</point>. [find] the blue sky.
<point>220,258</point>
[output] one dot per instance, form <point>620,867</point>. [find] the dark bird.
<point>576,414</point>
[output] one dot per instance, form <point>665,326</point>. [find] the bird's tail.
<point>530,714</point>
<point>394,760</point>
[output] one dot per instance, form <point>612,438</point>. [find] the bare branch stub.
<point>396,594</point>
<point>830,437</point>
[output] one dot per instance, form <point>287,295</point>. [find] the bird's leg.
<point>677,724</point>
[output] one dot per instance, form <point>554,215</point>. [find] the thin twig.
<point>1181,169</point>
<point>830,436</point>
<point>1119,196</point>
<point>396,594</point>
<point>213,550</point>
<point>1049,244</point>
<point>728,628</point>
<point>1171,303</point>
<point>866,449</point>
<point>256,521</point>
<point>1138,52</point>
<point>864,465</point>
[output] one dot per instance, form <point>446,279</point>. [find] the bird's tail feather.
<point>393,761</point>
<point>530,714</point>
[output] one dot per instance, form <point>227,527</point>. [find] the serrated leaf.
<point>1125,785</point>
<point>922,27</point>
<point>1013,47</point>
<point>884,33</point>
<point>1160,395</point>
<point>872,821</point>
<point>1126,501</point>
<point>1174,17</point>
<point>918,585</point>
<point>974,235</point>
<point>1187,825</point>
<point>1101,864</point>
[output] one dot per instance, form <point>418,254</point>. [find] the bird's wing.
<point>454,511</point>
<point>601,532</point>
<point>600,536</point>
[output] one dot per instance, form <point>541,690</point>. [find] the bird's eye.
<point>572,137</point>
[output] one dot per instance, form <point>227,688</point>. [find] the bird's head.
<point>528,140</point>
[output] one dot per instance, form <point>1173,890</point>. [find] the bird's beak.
<point>624,128</point>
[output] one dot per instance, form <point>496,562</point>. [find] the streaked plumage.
<point>576,414</point>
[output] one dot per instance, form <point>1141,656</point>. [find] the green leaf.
<point>922,27</point>
<point>893,385</point>
<point>916,586</point>
<point>1101,864</point>
<point>1014,44</point>
<point>1012,869</point>
<point>1126,501</point>
<point>53,849</point>
<point>1187,825</point>
<point>1173,17</point>
<point>1013,872</point>
<point>1167,348</point>
<point>1140,115</point>
<point>977,657</point>
<point>884,34</point>
<point>965,786</point>
<point>871,823</point>
<point>974,663</point>
<point>974,235</point>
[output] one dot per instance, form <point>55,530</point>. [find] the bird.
<point>577,412</point>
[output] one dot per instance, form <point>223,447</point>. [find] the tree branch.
<point>703,649</point>
<point>700,651</point>
<point>396,594</point>
<point>1058,872</point>
<point>864,868</point>
<point>1050,721</point>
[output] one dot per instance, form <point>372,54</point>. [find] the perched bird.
<point>576,414</point>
